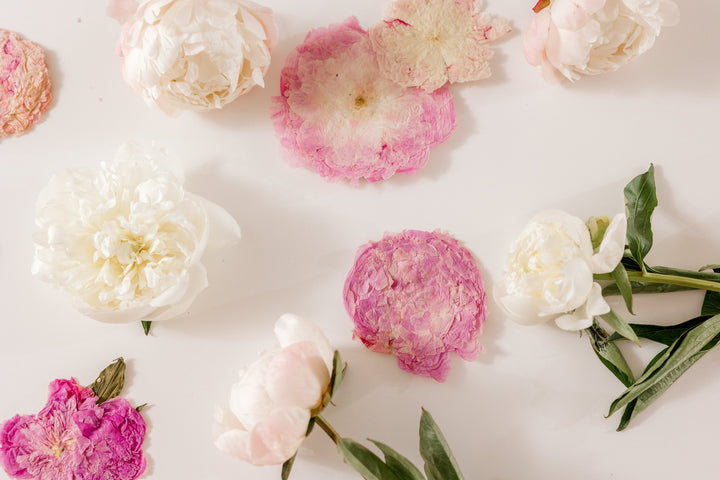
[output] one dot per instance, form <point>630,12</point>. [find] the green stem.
<point>662,278</point>
<point>327,428</point>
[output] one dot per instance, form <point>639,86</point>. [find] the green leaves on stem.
<point>110,381</point>
<point>440,464</point>
<point>640,201</point>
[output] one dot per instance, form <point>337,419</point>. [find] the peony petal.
<point>174,305</point>
<point>290,329</point>
<point>249,401</point>
<point>278,436</point>
<point>612,247</point>
<point>224,231</point>
<point>297,376</point>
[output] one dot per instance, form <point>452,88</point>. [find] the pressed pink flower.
<point>338,116</point>
<point>427,43</point>
<point>73,438</point>
<point>419,296</point>
<point>25,89</point>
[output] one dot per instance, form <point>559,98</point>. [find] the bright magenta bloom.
<point>25,89</point>
<point>418,295</point>
<point>338,116</point>
<point>73,438</point>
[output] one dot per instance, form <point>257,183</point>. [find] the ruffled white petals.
<point>291,329</point>
<point>612,247</point>
<point>125,241</point>
<point>188,55</point>
<point>270,406</point>
<point>549,273</point>
<point>588,37</point>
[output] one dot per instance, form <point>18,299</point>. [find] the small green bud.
<point>597,227</point>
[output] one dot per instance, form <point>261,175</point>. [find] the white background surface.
<point>532,406</point>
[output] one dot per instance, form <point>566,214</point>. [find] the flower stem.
<point>662,278</point>
<point>327,428</point>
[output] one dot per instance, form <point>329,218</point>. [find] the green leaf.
<point>711,304</point>
<point>146,327</point>
<point>661,334</point>
<point>311,425</point>
<point>620,326</point>
<point>610,355</point>
<point>287,467</point>
<point>630,407</point>
<point>140,408</point>
<point>338,373</point>
<point>700,275</point>
<point>680,356</point>
<point>623,284</point>
<point>440,464</point>
<point>110,382</point>
<point>712,266</point>
<point>644,287</point>
<point>402,467</point>
<point>640,201</point>
<point>364,461</point>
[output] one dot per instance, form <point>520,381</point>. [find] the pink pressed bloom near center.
<point>338,116</point>
<point>418,295</point>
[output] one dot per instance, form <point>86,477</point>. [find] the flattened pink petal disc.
<point>25,89</point>
<point>338,116</point>
<point>418,295</point>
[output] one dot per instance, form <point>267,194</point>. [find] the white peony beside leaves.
<point>270,408</point>
<point>193,54</point>
<point>573,38</point>
<point>126,241</point>
<point>549,271</point>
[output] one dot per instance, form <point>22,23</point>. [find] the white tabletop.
<point>531,407</point>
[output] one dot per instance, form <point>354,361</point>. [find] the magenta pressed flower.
<point>25,89</point>
<point>338,116</point>
<point>418,295</point>
<point>428,43</point>
<point>74,438</point>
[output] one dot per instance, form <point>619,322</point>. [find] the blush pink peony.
<point>419,296</point>
<point>25,88</point>
<point>427,44</point>
<point>338,116</point>
<point>73,438</point>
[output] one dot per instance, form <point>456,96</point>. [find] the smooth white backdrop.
<point>531,407</point>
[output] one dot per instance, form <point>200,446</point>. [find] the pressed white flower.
<point>549,271</point>
<point>573,38</point>
<point>126,241</point>
<point>194,54</point>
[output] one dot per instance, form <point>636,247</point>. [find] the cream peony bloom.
<point>573,38</point>
<point>127,241</point>
<point>194,54</point>
<point>549,272</point>
<point>271,406</point>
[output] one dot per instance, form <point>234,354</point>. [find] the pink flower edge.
<point>74,437</point>
<point>25,87</point>
<point>418,295</point>
<point>338,116</point>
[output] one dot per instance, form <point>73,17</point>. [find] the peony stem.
<point>662,278</point>
<point>327,428</point>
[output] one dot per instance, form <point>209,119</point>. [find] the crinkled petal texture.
<point>195,55</point>
<point>25,88</point>
<point>338,116</point>
<point>549,271</point>
<point>419,296</point>
<point>270,407</point>
<point>573,38</point>
<point>73,438</point>
<point>125,241</point>
<point>427,44</point>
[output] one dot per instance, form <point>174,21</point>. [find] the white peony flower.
<point>271,406</point>
<point>573,38</point>
<point>127,241</point>
<point>549,272</point>
<point>194,54</point>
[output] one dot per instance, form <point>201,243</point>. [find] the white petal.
<point>249,401</point>
<point>223,231</point>
<point>278,436</point>
<point>291,329</point>
<point>524,310</point>
<point>175,302</point>
<point>297,376</point>
<point>596,304</point>
<point>612,247</point>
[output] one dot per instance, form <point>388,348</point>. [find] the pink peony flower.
<point>338,116</point>
<point>418,295</point>
<point>428,43</point>
<point>73,438</point>
<point>25,89</point>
